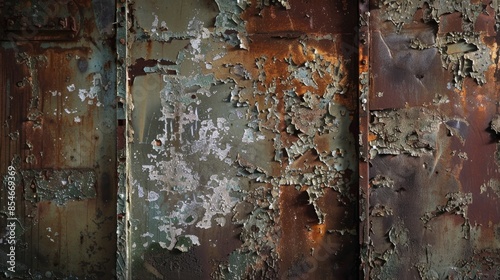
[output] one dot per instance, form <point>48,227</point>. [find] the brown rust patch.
<point>305,247</point>
<point>304,17</point>
<point>137,69</point>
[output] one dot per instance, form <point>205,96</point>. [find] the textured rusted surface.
<point>58,133</point>
<point>364,43</point>
<point>252,139</point>
<point>433,193</point>
<point>241,154</point>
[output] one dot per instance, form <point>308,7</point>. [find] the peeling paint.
<point>396,131</point>
<point>218,132</point>
<point>65,150</point>
<point>255,139</point>
<point>58,185</point>
<point>433,168</point>
<point>464,54</point>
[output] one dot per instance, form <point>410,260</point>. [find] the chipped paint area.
<point>220,203</point>
<point>222,121</point>
<point>237,152</point>
<point>58,186</point>
<point>433,170</point>
<point>91,95</point>
<point>464,54</point>
<point>460,42</point>
<point>412,131</point>
<point>59,118</point>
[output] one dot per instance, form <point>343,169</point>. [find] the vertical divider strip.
<point>121,28</point>
<point>364,120</point>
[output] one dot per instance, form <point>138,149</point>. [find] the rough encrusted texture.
<point>217,126</point>
<point>495,124</point>
<point>436,185</point>
<point>380,181</point>
<point>401,12</point>
<point>59,186</point>
<point>412,131</point>
<point>463,53</point>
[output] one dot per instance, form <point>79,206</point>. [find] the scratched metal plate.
<point>241,159</point>
<point>57,110</point>
<point>431,209</point>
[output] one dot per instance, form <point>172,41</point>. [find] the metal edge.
<point>121,27</point>
<point>364,119</point>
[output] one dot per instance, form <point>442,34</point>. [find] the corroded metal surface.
<point>252,139</point>
<point>433,209</point>
<point>58,135</point>
<point>241,132</point>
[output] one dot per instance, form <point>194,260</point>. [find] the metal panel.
<point>252,139</point>
<point>432,206</point>
<point>58,138</point>
<point>241,158</point>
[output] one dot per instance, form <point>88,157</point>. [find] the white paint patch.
<point>220,202</point>
<point>221,221</point>
<point>248,136</point>
<point>194,239</point>
<point>148,234</point>
<point>171,235</point>
<point>195,44</point>
<point>141,191</point>
<point>152,196</point>
<point>93,92</point>
<point>209,140</point>
<point>154,25</point>
<point>174,175</point>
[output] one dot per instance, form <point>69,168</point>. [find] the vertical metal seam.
<point>122,254</point>
<point>363,115</point>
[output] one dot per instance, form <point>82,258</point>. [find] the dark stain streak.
<point>137,69</point>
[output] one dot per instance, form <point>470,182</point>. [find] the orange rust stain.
<point>463,96</point>
<point>363,60</point>
<point>276,67</point>
<point>316,234</point>
<point>288,139</point>
<point>307,162</point>
<point>371,137</point>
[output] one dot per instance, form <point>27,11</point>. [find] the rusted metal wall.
<point>57,141</point>
<point>250,139</point>
<point>241,134</point>
<point>431,205</point>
